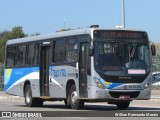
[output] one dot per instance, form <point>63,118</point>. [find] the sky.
<point>48,16</point>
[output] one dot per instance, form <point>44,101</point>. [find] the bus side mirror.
<point>153,50</point>
<point>91,51</point>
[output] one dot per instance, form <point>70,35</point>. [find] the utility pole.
<point>123,14</point>
<point>64,24</point>
<point>123,17</point>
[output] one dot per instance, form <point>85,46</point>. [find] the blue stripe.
<point>16,74</point>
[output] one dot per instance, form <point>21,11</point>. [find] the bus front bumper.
<point>107,94</point>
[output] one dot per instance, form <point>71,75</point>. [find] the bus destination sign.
<point>120,34</point>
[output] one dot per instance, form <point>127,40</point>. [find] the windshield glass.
<point>121,58</point>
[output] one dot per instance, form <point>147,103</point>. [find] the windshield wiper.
<point>133,50</point>
<point>131,53</point>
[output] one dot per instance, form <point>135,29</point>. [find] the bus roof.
<point>49,36</point>
<point>58,34</point>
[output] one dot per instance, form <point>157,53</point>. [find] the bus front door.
<point>83,66</point>
<point>44,71</point>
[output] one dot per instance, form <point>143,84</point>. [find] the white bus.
<point>78,66</point>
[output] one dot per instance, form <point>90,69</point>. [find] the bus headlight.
<point>98,83</point>
<point>147,85</point>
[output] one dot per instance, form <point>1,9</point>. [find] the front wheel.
<point>74,101</point>
<point>122,105</point>
<point>29,100</point>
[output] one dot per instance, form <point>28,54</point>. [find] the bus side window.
<point>59,52</point>
<point>33,54</point>
<point>36,54</point>
<point>10,56</point>
<point>21,55</point>
<point>71,50</point>
<point>53,52</point>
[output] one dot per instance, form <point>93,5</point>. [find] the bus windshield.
<point>121,58</point>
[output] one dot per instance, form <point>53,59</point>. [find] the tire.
<point>29,100</point>
<point>122,105</point>
<point>74,101</point>
<point>67,102</point>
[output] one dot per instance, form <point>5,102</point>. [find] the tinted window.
<point>58,51</point>
<point>71,50</point>
<point>20,55</point>
<point>33,54</point>
<point>10,56</point>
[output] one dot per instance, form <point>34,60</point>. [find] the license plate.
<point>133,87</point>
<point>124,97</point>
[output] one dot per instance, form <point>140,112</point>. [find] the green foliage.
<point>156,58</point>
<point>35,34</point>
<point>16,32</point>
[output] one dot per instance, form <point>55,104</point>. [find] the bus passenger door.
<point>44,71</point>
<point>83,66</point>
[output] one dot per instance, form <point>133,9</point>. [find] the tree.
<point>16,32</point>
<point>156,59</point>
<point>35,34</point>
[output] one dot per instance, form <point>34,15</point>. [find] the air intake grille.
<point>116,94</point>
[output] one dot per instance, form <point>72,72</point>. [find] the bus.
<point>77,66</point>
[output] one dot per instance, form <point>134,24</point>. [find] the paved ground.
<point>11,103</point>
<point>4,96</point>
<point>155,95</point>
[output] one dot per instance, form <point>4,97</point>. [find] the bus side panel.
<point>35,86</point>
<point>59,75</point>
<point>14,79</point>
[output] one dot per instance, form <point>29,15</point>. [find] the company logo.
<point>57,73</point>
<point>6,114</point>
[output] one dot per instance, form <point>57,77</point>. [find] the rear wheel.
<point>29,100</point>
<point>74,101</point>
<point>122,105</point>
<point>67,103</point>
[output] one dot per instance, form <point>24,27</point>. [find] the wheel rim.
<point>28,96</point>
<point>74,97</point>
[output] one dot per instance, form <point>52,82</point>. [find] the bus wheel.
<point>74,101</point>
<point>31,102</point>
<point>122,105</point>
<point>67,102</point>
